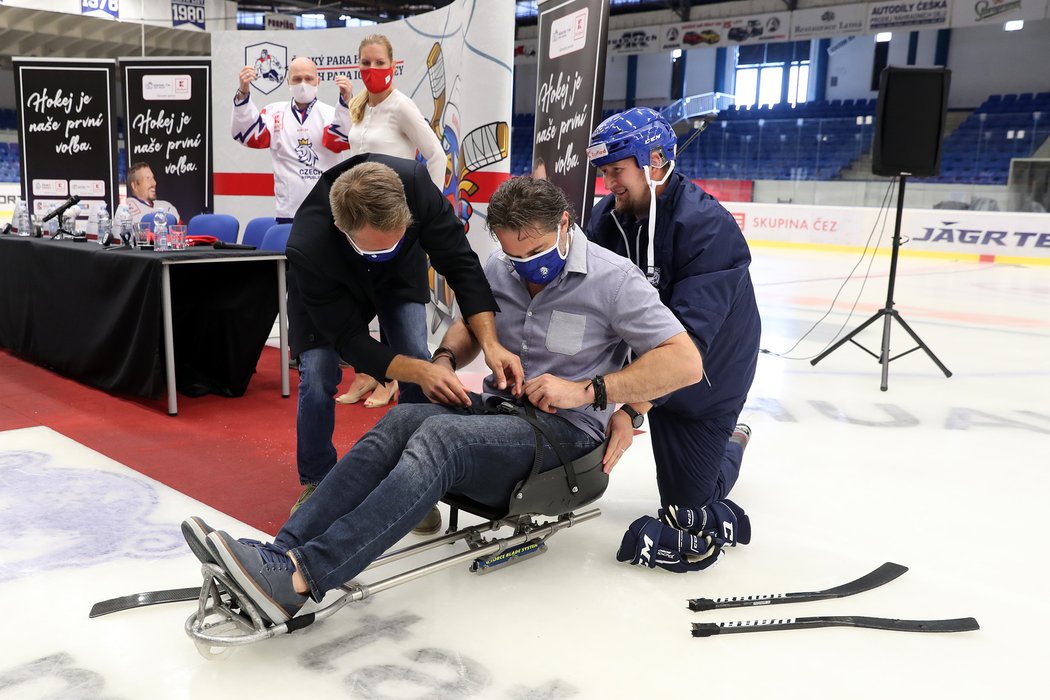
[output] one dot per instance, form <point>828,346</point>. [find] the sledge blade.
<point>512,555</point>
<point>139,600</point>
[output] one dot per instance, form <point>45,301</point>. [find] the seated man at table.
<point>573,310</point>
<point>142,194</point>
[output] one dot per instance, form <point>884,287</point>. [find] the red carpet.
<point>236,455</point>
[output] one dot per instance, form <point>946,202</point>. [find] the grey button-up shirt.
<point>582,323</point>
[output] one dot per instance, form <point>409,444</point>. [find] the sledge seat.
<point>553,492</point>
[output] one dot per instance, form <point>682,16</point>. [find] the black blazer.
<point>332,289</point>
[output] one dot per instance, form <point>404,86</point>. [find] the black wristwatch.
<point>636,418</point>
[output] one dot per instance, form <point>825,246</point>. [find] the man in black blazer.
<point>358,249</point>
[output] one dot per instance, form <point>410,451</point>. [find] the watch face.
<point>636,418</point>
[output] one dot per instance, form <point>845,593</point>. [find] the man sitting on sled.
<point>573,310</point>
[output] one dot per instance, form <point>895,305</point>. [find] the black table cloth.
<point>94,314</point>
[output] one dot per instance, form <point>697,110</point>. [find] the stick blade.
<point>879,577</point>
<point>139,600</point>
<point>958,624</point>
<point>873,579</point>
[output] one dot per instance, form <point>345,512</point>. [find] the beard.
<point>628,204</point>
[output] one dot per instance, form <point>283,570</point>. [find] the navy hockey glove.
<point>724,521</point>
<point>651,543</point>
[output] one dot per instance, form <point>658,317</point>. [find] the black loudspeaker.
<point>909,121</point>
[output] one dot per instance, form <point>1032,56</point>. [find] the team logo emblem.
<point>305,152</point>
<point>270,62</point>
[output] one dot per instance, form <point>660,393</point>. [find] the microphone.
<point>62,209</point>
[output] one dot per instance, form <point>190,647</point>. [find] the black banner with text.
<point>569,92</point>
<point>68,130</point>
<point>167,117</point>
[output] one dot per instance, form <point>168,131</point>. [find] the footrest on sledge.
<point>226,617</point>
<point>511,555</point>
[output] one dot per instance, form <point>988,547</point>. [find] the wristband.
<point>443,351</point>
<point>600,399</point>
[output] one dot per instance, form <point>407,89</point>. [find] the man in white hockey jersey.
<point>302,134</point>
<point>142,194</point>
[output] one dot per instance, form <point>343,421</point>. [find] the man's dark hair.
<point>134,170</point>
<point>528,205</point>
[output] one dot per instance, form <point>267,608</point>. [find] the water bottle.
<point>160,231</point>
<point>16,218</point>
<point>25,222</point>
<point>122,224</point>
<point>103,223</point>
<point>52,224</point>
<point>69,220</point>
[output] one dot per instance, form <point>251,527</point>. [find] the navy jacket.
<point>331,289</point>
<point>704,279</point>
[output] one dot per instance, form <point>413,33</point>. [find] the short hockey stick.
<point>882,575</point>
<point>960,624</point>
<point>138,600</point>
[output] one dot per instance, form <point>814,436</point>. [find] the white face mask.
<point>303,93</point>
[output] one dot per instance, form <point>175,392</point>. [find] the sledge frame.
<point>226,618</point>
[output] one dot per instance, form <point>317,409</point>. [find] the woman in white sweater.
<point>385,120</point>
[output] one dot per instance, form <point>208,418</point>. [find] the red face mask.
<point>377,79</point>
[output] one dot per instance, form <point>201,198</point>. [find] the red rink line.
<point>966,317</point>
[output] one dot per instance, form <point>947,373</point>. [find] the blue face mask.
<point>542,267</point>
<point>378,255</point>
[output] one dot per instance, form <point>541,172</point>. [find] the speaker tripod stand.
<point>887,313</point>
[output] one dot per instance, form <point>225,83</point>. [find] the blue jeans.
<point>397,471</point>
<point>696,464</point>
<point>405,327</point>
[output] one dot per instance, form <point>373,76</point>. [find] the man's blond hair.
<point>369,194</point>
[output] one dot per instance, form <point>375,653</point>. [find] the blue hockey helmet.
<point>633,132</point>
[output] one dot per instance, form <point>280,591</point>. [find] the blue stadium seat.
<point>222,226</point>
<point>276,238</point>
<point>256,229</point>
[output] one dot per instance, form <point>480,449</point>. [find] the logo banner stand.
<point>569,93</point>
<point>455,63</point>
<point>167,117</point>
<point>68,131</point>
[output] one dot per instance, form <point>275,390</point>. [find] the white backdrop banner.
<point>734,31</point>
<point>455,63</point>
<point>819,22</point>
<point>978,12</point>
<point>906,14</point>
